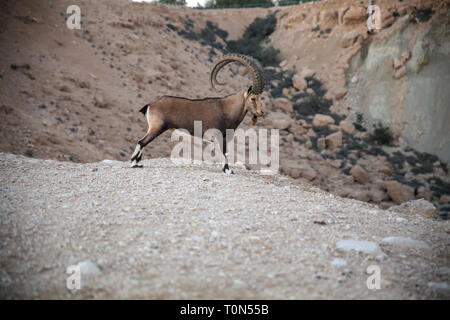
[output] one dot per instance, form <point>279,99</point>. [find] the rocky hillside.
<point>135,234</point>
<point>383,135</point>
<point>74,94</point>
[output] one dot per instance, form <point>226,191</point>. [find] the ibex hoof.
<point>135,165</point>
<point>227,170</point>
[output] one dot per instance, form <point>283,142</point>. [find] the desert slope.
<point>178,232</point>
<point>74,94</point>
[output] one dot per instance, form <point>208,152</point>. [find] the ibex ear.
<point>248,92</point>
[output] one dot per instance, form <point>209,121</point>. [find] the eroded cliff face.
<point>397,75</point>
<point>405,83</point>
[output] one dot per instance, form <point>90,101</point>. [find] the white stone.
<point>368,247</point>
<point>405,242</point>
<point>87,267</point>
<point>439,285</point>
<point>338,262</point>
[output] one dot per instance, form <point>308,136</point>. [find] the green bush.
<point>381,135</point>
<point>254,41</point>
<point>359,123</point>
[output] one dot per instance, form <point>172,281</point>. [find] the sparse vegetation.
<point>208,35</point>
<point>254,41</point>
<point>381,135</point>
<point>359,123</point>
<point>173,2</point>
<point>313,104</point>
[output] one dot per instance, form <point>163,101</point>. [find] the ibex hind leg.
<point>137,155</point>
<point>152,133</point>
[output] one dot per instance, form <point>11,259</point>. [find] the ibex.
<point>170,112</point>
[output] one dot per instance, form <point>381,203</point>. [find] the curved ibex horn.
<point>250,63</point>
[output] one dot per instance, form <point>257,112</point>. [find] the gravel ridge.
<point>171,231</point>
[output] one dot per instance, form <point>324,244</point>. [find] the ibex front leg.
<point>226,168</point>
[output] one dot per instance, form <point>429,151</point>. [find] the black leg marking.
<point>227,169</point>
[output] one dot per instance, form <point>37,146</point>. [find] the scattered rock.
<point>421,207</point>
<point>354,15</point>
<point>424,193</point>
<point>338,262</point>
<point>321,143</point>
<point>385,168</point>
<point>405,56</point>
<point>350,38</point>
<point>87,267</point>
<point>299,82</point>
<point>361,195</point>
<point>307,73</point>
<point>439,285</point>
<point>334,140</point>
<point>398,63</point>
<point>65,88</point>
<point>347,126</point>
<point>4,109</point>
<point>23,66</point>
<point>400,73</point>
<point>99,101</point>
<point>359,174</point>
<point>445,199</point>
<point>283,104</point>
<point>406,242</point>
<point>340,93</point>
<point>398,192</point>
<point>299,170</point>
<point>377,195</point>
<point>322,120</point>
<point>367,247</point>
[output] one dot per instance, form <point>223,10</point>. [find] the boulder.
<point>445,199</point>
<point>299,82</point>
<point>321,143</point>
<point>349,38</point>
<point>307,73</point>
<point>377,195</point>
<point>299,170</point>
<point>334,140</point>
<point>340,93</point>
<point>406,242</point>
<point>385,168</point>
<point>99,101</point>
<point>283,104</point>
<point>361,195</point>
<point>400,73</point>
<point>398,63</point>
<point>347,126</point>
<point>322,120</point>
<point>420,207</point>
<point>367,247</point>
<point>424,193</point>
<point>354,15</point>
<point>277,120</point>
<point>398,192</point>
<point>359,174</point>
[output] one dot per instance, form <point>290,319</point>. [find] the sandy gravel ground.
<point>168,231</point>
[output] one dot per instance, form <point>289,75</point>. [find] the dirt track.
<point>169,231</point>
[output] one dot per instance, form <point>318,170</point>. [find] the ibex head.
<point>253,94</point>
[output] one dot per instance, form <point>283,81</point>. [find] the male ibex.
<point>219,113</point>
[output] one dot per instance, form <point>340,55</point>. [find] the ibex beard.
<point>169,112</point>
